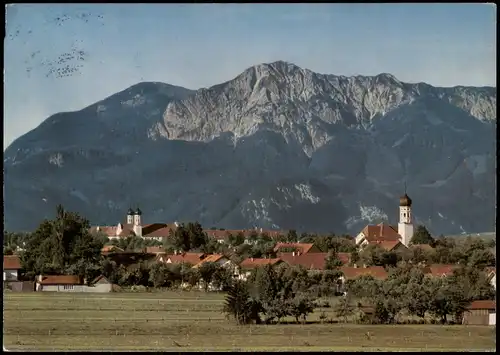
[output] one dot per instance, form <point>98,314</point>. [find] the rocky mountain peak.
<point>277,146</point>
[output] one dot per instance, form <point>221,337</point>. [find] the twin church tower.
<point>134,219</point>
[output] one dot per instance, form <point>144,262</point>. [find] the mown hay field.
<point>192,321</point>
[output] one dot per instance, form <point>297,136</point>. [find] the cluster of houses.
<point>389,237</point>
<point>306,255</point>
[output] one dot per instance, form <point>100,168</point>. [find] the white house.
<point>71,283</point>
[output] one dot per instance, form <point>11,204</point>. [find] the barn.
<point>480,313</point>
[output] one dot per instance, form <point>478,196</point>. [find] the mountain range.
<point>277,147</point>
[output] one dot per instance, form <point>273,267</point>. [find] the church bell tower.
<point>405,225</point>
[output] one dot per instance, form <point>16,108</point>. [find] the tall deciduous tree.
<point>207,271</point>
<point>292,236</point>
<point>421,236</point>
<point>62,245</point>
<point>181,238</point>
<point>197,238</point>
<point>344,308</point>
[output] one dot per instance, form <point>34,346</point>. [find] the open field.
<point>192,321</point>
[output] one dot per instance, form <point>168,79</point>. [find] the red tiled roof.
<point>377,272</point>
<point>301,247</point>
<point>160,230</point>
<point>344,257</point>
<point>106,230</point>
<point>150,228</point>
<point>126,232</point>
<point>11,262</point>
<point>440,269</point>
<point>252,263</point>
<point>59,280</point>
<point>387,244</point>
<point>380,232</point>
<point>213,258</point>
<point>314,261</point>
<point>99,278</point>
<point>190,258</point>
<point>482,304</point>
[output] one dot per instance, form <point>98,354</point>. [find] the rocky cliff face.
<point>276,147</point>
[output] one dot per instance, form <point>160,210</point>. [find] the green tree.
<point>354,259</point>
<point>421,236</point>
<point>253,237</point>
<point>417,298</point>
<point>276,308</point>
<point>158,275</point>
<point>371,255</point>
<point>191,276</point>
<point>473,283</point>
<point>292,236</point>
<point>445,252</point>
<point>481,258</point>
<point>181,238</point>
<point>417,255</point>
<point>88,270</point>
<point>244,250</point>
<point>222,278</point>
<point>330,282</point>
<point>388,258</point>
<point>300,307</point>
<point>307,238</point>
<point>448,299</point>
<point>13,241</point>
<point>237,239</point>
<point>239,305</point>
<point>207,271</point>
<point>197,237</point>
<point>344,308</point>
<point>332,261</point>
<point>59,243</point>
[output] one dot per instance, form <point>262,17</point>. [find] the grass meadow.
<point>192,321</point>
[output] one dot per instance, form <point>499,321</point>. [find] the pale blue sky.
<point>202,45</point>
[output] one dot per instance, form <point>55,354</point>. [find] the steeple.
<point>138,222</point>
<point>130,216</point>
<point>405,200</point>
<point>405,226</point>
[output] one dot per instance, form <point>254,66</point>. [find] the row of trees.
<point>158,275</point>
<point>407,289</point>
<point>273,294</point>
<point>472,251</point>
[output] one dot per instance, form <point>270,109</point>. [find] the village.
<point>305,255</point>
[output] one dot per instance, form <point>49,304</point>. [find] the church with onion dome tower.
<point>388,236</point>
